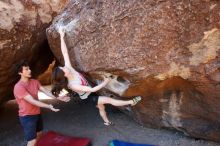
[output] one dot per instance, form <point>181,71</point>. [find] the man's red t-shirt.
<point>22,89</point>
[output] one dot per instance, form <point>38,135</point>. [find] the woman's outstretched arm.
<point>82,88</point>
<point>64,49</point>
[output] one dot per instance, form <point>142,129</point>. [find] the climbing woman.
<point>67,77</point>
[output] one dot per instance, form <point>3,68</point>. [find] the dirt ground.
<point>82,120</point>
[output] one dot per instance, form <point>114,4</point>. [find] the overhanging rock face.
<point>22,36</point>
<point>166,51</point>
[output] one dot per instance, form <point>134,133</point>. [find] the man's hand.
<point>53,109</point>
<point>64,98</point>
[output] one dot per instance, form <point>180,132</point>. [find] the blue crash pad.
<point>122,143</point>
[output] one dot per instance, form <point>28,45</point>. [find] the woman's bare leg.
<point>102,100</point>
<point>115,102</point>
<point>102,112</point>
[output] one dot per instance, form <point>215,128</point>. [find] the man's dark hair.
<point>20,65</point>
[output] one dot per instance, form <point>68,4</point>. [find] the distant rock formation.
<point>22,36</point>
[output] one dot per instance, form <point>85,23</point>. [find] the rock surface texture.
<point>168,52</point>
<point>22,36</point>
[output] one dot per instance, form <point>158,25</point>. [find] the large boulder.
<point>22,36</point>
<point>166,51</point>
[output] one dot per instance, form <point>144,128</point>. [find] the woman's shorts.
<point>93,97</point>
<point>31,125</point>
